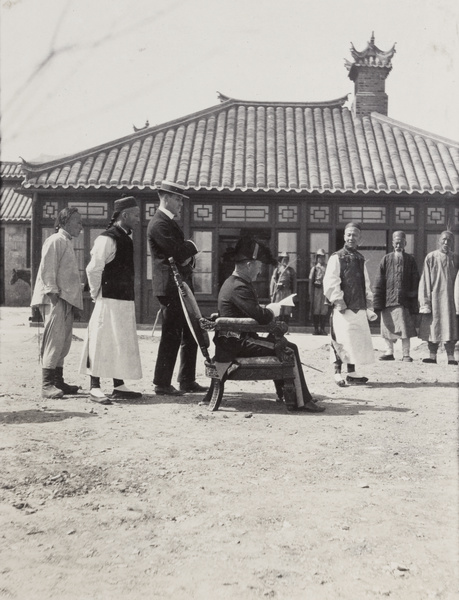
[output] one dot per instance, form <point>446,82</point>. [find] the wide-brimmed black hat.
<point>247,248</point>
<point>173,188</point>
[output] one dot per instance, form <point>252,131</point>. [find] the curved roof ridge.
<point>337,102</point>
<point>413,129</point>
<point>154,129</point>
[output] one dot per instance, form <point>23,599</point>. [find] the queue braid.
<point>114,218</point>
<point>63,217</point>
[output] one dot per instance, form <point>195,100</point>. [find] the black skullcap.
<point>124,203</point>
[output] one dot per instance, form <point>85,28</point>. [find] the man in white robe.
<point>111,348</point>
<point>436,299</point>
<point>347,288</point>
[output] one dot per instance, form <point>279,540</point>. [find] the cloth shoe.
<point>97,395</point>
<point>49,390</point>
<point>192,387</point>
<point>123,393</point>
<point>407,359</point>
<point>452,361</point>
<point>387,357</point>
<point>167,390</point>
<point>339,380</point>
<point>60,383</point>
<point>356,380</point>
<point>430,361</point>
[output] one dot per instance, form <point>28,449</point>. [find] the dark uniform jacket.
<point>238,298</point>
<point>166,239</point>
<point>397,283</point>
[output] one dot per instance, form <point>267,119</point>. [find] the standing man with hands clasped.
<point>436,299</point>
<point>347,288</point>
<point>58,295</point>
<point>167,240</point>
<point>112,348</point>
<point>396,297</point>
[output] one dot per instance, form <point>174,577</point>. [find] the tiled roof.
<point>11,170</point>
<point>239,145</point>
<point>14,206</point>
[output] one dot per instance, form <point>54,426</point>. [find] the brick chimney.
<point>368,72</point>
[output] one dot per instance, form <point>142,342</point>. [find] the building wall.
<point>16,255</point>
<point>293,223</point>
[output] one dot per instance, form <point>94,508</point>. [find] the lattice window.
<point>245,213</point>
<point>50,210</point>
<point>435,216</point>
<point>362,214</point>
<point>91,210</point>
<point>287,214</point>
<point>203,212</point>
<point>150,209</point>
<point>319,214</point>
<point>404,215</point>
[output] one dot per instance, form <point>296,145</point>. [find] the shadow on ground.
<point>40,416</point>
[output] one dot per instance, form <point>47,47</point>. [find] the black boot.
<point>60,383</point>
<point>49,390</point>
<point>315,320</point>
<point>322,321</point>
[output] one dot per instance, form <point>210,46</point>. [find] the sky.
<point>75,74</point>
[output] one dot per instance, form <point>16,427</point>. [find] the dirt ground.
<point>161,498</point>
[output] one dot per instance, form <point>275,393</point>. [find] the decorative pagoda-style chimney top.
<point>369,71</point>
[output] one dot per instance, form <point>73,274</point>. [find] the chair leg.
<point>290,394</point>
<point>209,392</point>
<point>217,387</point>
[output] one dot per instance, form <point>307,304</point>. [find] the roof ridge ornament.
<point>223,97</point>
<point>371,56</point>
<point>136,129</point>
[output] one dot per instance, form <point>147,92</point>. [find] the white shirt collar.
<point>166,212</point>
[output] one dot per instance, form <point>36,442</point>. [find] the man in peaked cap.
<point>318,306</point>
<point>283,284</point>
<point>347,288</point>
<point>167,240</point>
<point>238,298</point>
<point>436,299</point>
<point>111,348</point>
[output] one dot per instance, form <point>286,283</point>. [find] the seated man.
<point>238,298</point>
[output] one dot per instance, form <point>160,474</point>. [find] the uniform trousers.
<point>175,335</point>
<point>57,335</point>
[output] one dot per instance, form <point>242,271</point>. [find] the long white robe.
<point>111,347</point>
<point>352,337</point>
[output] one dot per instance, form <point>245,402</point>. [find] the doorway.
<point>227,241</point>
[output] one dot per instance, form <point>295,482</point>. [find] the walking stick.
<point>155,323</point>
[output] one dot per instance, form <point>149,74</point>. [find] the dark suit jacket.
<point>238,298</point>
<point>166,240</point>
